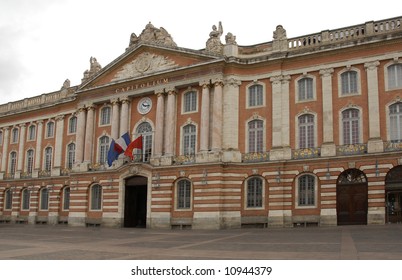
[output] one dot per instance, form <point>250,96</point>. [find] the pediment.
<point>145,61</point>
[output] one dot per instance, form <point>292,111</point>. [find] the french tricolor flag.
<point>121,144</point>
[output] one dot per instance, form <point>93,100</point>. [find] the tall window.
<point>48,159</point>
<point>13,162</point>
<point>8,196</point>
<point>395,122</point>
<point>254,192</point>
<point>66,198</point>
<point>189,139</point>
<point>96,197</point>
<point>1,137</point>
<point>105,115</point>
<point>395,76</point>
<point>25,199</point>
<point>306,190</point>
<point>306,131</point>
<point>31,132</point>
<point>44,199</point>
<point>255,136</point>
<point>30,161</point>
<point>255,96</point>
<point>184,194</point>
<point>70,155</point>
<point>350,122</point>
<point>305,89</point>
<point>72,125</point>
<point>103,149</point>
<point>349,82</point>
<point>145,129</point>
<point>14,135</point>
<point>50,129</point>
<point>190,101</point>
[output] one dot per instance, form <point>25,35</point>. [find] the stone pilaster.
<point>6,138</point>
<point>115,118</point>
<point>21,146</point>
<point>328,146</point>
<point>58,145</point>
<point>124,115</point>
<point>375,144</point>
<point>38,150</point>
<point>160,123</point>
<point>170,125</point>
<point>205,104</point>
<point>217,117</point>
<point>80,136</point>
<point>89,134</point>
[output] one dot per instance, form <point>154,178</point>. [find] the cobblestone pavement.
<point>43,242</point>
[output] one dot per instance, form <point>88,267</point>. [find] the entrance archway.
<point>393,195</point>
<point>352,198</point>
<point>135,202</point>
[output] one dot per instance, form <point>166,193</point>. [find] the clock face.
<point>145,105</point>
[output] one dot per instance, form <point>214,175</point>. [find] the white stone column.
<point>285,112</point>
<point>124,115</point>
<point>160,123</point>
<point>38,149</point>
<point>276,111</point>
<point>89,134</point>
<point>115,118</point>
<point>80,135</point>
<point>21,146</point>
<point>170,122</point>
<point>6,138</point>
<point>375,143</point>
<point>204,130</point>
<point>217,114</point>
<point>230,120</point>
<point>328,146</point>
<point>58,150</point>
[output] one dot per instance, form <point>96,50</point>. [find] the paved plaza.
<point>44,242</point>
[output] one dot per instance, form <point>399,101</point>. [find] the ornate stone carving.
<point>214,44</point>
<point>152,35</point>
<point>143,64</point>
<point>95,67</point>
<point>280,33</point>
<point>230,39</point>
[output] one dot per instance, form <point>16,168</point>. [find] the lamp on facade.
<point>205,177</point>
<point>156,178</point>
<point>328,174</point>
<point>377,171</point>
<point>278,176</point>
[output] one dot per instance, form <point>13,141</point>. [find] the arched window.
<point>305,89</point>
<point>103,149</point>
<point>96,197</point>
<point>145,129</point>
<point>254,192</point>
<point>350,123</point>
<point>395,122</point>
<point>184,194</point>
<point>190,101</point>
<point>8,197</point>
<point>50,129</point>
<point>30,161</point>
<point>105,115</point>
<point>72,125</point>
<point>189,139</point>
<point>349,82</point>
<point>66,198</point>
<point>48,159</point>
<point>25,199</point>
<point>14,135</point>
<point>306,131</point>
<point>255,136</point>
<point>13,162</point>
<point>31,132</point>
<point>255,95</point>
<point>44,199</point>
<point>70,155</point>
<point>306,190</point>
<point>394,76</point>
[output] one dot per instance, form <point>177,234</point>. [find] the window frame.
<point>299,132</point>
<point>15,135</point>
<point>351,121</point>
<point>397,74</point>
<point>66,198</point>
<point>13,162</point>
<point>96,197</point>
<point>31,133</point>
<point>44,198</point>
<point>25,199</point>
<point>298,94</point>
<point>48,159</point>
<point>70,156</point>
<point>192,107</point>
<point>72,125</point>
<point>184,195</point>
<point>103,149</point>
<point>8,200</point>
<point>145,129</point>
<point>255,99</point>
<point>258,193</point>
<point>105,115</point>
<point>189,140</point>
<point>30,159</point>
<point>398,122</point>
<point>258,144</point>
<point>50,129</point>
<point>341,82</point>
<point>298,204</point>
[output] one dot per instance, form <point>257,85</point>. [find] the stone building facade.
<point>290,132</point>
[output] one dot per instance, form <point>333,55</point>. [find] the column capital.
<point>125,100</point>
<point>276,79</point>
<point>5,128</point>
<point>232,81</point>
<point>172,91</point>
<point>90,107</point>
<point>372,65</point>
<point>59,118</point>
<point>22,125</point>
<point>326,72</point>
<point>114,101</point>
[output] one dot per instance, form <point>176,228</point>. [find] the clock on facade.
<point>145,105</point>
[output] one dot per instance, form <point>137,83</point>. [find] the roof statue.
<point>95,67</point>
<point>214,44</point>
<point>152,35</point>
<point>230,39</point>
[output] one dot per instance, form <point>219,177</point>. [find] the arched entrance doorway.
<point>352,198</point>
<point>393,195</point>
<point>135,202</point>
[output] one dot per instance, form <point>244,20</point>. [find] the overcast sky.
<point>44,42</point>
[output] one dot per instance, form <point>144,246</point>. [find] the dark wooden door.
<point>135,206</point>
<point>352,204</point>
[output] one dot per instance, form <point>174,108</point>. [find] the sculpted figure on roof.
<point>152,35</point>
<point>214,44</point>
